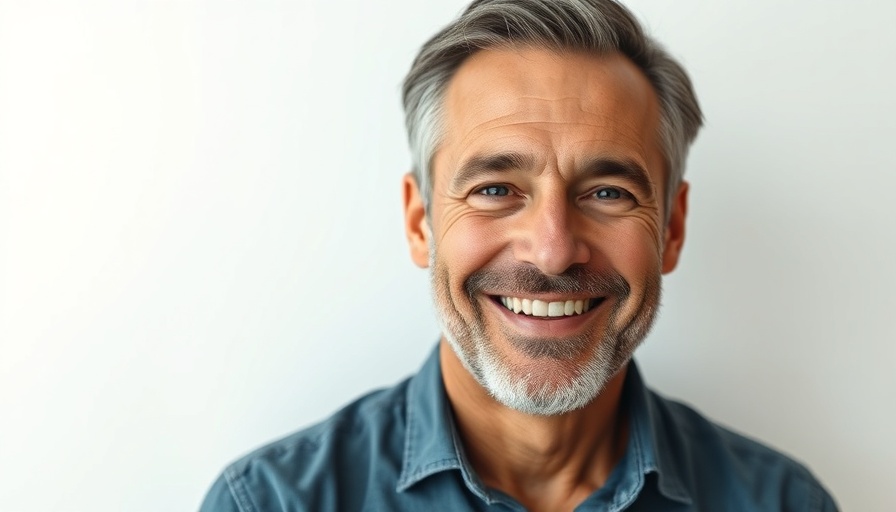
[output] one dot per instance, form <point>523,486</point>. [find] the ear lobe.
<point>673,239</point>
<point>415,224</point>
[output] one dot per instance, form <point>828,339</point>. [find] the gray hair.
<point>599,26</point>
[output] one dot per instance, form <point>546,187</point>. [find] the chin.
<point>541,385</point>
<point>552,389</point>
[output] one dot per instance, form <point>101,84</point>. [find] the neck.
<point>544,462</point>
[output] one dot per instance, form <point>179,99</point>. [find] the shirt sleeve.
<point>220,498</point>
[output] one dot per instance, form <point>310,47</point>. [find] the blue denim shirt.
<point>397,450</point>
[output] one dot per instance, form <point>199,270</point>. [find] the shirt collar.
<point>651,443</point>
<point>432,444</point>
<point>429,445</point>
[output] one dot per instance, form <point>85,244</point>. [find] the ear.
<point>416,227</point>
<point>673,239</point>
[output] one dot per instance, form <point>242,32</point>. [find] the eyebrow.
<point>626,169</point>
<point>481,165</point>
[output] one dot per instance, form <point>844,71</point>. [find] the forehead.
<point>557,105</point>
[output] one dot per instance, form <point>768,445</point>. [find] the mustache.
<point>525,279</point>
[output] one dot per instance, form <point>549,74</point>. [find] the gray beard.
<point>526,389</point>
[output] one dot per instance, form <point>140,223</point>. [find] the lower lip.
<point>549,327</point>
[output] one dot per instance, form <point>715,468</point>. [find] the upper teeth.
<point>537,307</point>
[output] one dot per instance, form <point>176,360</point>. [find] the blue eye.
<point>495,190</point>
<point>608,193</point>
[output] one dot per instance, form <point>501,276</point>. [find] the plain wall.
<point>201,245</point>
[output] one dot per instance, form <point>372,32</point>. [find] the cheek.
<point>633,248</point>
<point>466,243</point>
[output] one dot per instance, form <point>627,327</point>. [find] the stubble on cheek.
<point>458,330</point>
<point>628,334</point>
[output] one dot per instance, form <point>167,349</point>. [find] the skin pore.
<point>550,167</point>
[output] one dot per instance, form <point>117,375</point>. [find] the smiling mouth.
<point>547,309</point>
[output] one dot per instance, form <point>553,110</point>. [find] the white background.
<point>201,246</point>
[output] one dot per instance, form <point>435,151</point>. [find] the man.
<point>549,140</point>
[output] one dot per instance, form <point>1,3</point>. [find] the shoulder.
<point>717,463</point>
<point>311,469</point>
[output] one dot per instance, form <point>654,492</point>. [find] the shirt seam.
<point>239,492</point>
<point>406,479</point>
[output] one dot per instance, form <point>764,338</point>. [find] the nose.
<point>549,236</point>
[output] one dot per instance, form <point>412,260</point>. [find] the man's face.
<point>547,237</point>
